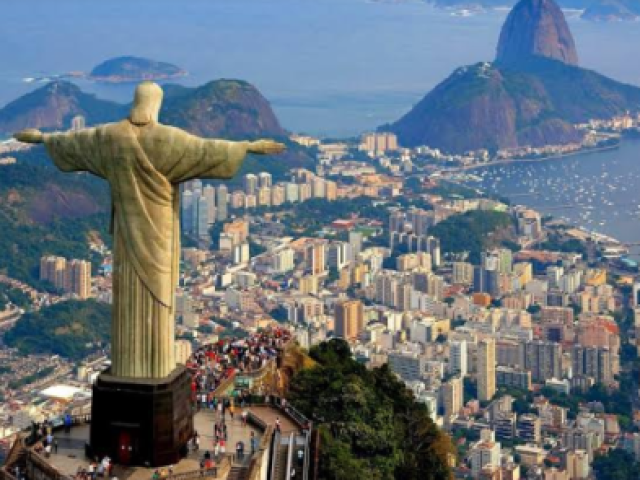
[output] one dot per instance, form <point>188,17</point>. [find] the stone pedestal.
<point>146,422</point>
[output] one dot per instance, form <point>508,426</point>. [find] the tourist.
<point>223,446</point>
<point>55,446</point>
<point>108,466</point>
<point>47,450</point>
<point>67,423</point>
<point>278,424</point>
<point>216,449</point>
<point>244,418</point>
<point>156,475</point>
<point>231,411</point>
<point>254,442</point>
<point>92,471</point>
<point>196,442</point>
<point>100,470</point>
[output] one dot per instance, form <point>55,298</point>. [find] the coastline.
<point>585,151</point>
<point>610,236</point>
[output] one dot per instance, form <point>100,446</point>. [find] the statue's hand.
<point>30,135</point>
<point>266,147</point>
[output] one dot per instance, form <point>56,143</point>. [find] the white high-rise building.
<point>222,199</point>
<point>458,357</point>
<point>209,193</point>
<point>452,394</point>
<point>291,192</point>
<point>196,187</point>
<point>338,255</point>
<point>187,211</point>
<point>355,240</point>
<point>265,180</point>
<point>484,453</point>
<point>283,260</point>
<point>241,253</point>
<point>250,184</point>
<point>486,369</point>
<point>202,218</point>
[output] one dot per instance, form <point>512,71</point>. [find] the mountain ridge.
<point>224,108</point>
<point>536,28</point>
<point>532,99</point>
<point>52,106</point>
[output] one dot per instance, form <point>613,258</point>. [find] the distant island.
<point>127,69</point>
<point>134,69</point>
<point>612,10</point>
<point>593,10</point>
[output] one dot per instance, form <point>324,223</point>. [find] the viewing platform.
<point>70,457</point>
<point>279,451</point>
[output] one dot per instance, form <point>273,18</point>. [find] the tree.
<point>369,422</point>
<point>533,309</point>
<point>477,225</point>
<point>71,329</point>
<point>617,465</point>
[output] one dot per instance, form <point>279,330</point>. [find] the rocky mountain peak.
<point>536,28</point>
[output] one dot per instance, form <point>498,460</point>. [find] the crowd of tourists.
<point>212,364</point>
<point>42,435</point>
<point>101,469</point>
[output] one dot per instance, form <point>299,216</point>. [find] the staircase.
<point>237,473</point>
<point>17,455</point>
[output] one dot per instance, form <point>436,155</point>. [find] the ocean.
<point>599,191</point>
<point>329,67</point>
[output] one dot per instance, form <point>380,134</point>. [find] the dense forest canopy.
<point>71,329</point>
<point>368,421</point>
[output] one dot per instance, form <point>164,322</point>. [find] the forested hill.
<point>70,329</point>
<point>368,420</point>
<point>47,212</point>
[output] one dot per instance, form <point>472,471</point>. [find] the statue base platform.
<point>140,421</point>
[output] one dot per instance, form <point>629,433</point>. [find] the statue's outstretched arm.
<point>266,147</point>
<point>70,151</point>
<point>189,156</point>
<point>30,135</point>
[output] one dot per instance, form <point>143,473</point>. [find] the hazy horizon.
<point>359,65</point>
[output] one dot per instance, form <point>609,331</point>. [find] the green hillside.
<point>70,329</point>
<point>47,212</point>
<point>505,106</point>
<point>369,422</point>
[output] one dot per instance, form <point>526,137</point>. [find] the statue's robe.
<point>144,166</point>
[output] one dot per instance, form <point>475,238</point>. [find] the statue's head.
<point>146,103</point>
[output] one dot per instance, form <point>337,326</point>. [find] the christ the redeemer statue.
<point>144,163</point>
